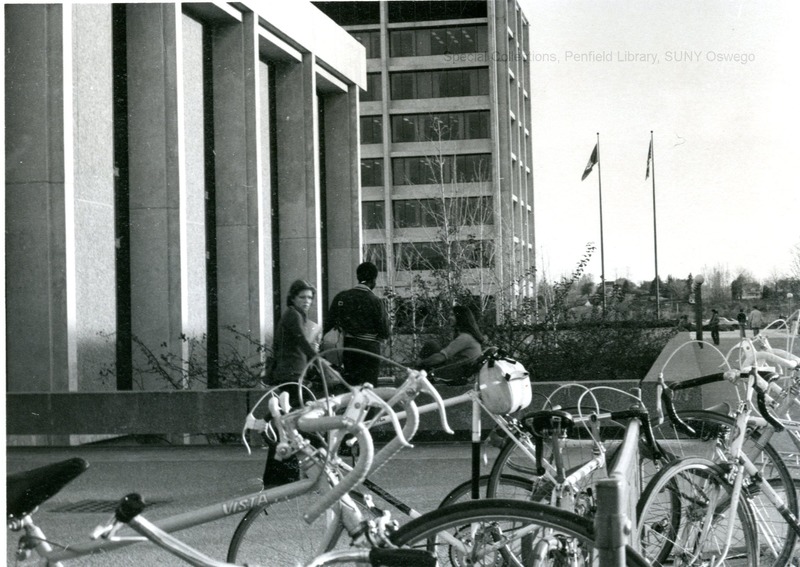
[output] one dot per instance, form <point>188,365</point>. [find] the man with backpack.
<point>361,315</point>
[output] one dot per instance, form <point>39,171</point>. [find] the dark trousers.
<point>715,335</point>
<point>360,368</point>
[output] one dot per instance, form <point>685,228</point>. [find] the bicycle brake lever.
<point>284,402</point>
<point>385,407</point>
<point>428,387</point>
<point>659,391</point>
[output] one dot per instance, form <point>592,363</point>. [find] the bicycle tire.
<point>276,533</point>
<point>696,532</point>
<point>509,486</point>
<point>503,532</point>
<point>712,429</point>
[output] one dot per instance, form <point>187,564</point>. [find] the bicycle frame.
<point>344,511</point>
<point>174,523</point>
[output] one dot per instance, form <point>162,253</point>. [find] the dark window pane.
<point>373,91</point>
<point>438,42</point>
<point>371,129</point>
<point>375,45</point>
<point>372,214</point>
<point>376,253</point>
<point>402,43</point>
<point>423,42</point>
<point>402,86</point>
<point>372,172</point>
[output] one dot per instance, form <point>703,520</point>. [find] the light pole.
<point>698,307</point>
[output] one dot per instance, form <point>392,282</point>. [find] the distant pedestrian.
<point>455,360</point>
<point>756,320</point>
<point>742,319</point>
<point>363,318</point>
<point>713,324</point>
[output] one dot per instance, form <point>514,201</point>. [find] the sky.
<point>716,83</point>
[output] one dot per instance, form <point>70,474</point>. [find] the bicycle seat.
<point>541,422</point>
<point>27,490</point>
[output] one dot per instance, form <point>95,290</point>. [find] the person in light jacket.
<point>756,319</point>
<point>454,361</point>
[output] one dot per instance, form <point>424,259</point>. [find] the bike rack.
<point>616,503</point>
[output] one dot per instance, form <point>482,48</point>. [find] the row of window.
<point>440,126</point>
<point>413,213</point>
<point>466,168</point>
<point>438,41</point>
<point>438,83</point>
<point>472,125</point>
<point>430,41</point>
<point>433,255</point>
<point>428,170</point>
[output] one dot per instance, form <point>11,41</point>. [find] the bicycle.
<point>485,531</point>
<point>711,430</point>
<point>255,522</point>
<point>742,465</point>
<point>28,490</point>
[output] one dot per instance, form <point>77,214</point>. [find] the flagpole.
<point>655,227</point>
<point>602,255</point>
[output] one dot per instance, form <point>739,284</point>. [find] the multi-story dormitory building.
<point>446,123</point>
<point>170,168</point>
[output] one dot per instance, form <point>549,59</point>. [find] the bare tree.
<point>451,256</point>
<point>794,263</point>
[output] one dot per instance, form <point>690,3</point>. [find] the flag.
<point>649,160</point>
<point>590,165</point>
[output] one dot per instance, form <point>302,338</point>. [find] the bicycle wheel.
<point>776,536</point>
<point>696,532</point>
<point>509,486</point>
<point>276,534</point>
<point>505,532</point>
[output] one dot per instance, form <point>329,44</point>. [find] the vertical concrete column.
<point>266,215</point>
<point>93,174</point>
<point>298,175</point>
<point>343,195</point>
<point>241,275</point>
<point>502,174</point>
<point>158,281</point>
<point>388,176</point>
<point>40,337</point>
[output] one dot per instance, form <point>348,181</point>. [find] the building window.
<point>440,126</point>
<point>467,168</point>
<point>439,83</point>
<point>432,255</point>
<point>371,40</point>
<point>372,214</point>
<point>438,41</point>
<point>371,129</point>
<point>372,172</point>
<point>373,91</point>
<point>428,213</point>
<point>376,253</point>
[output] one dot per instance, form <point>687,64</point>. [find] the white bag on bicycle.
<point>505,386</point>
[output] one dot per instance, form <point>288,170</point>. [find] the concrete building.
<point>445,140</point>
<point>170,169</point>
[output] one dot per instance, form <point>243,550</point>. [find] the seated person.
<point>455,360</point>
